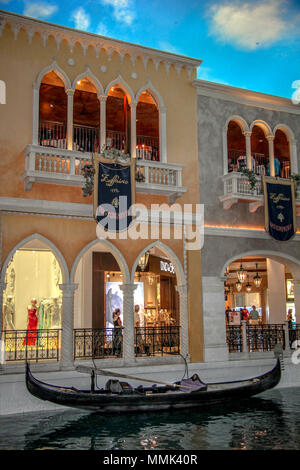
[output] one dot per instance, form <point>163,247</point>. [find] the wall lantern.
<point>242,274</point>
<point>257,278</point>
<point>143,261</point>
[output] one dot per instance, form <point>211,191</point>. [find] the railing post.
<point>244,336</point>
<point>70,92</point>
<point>128,320</point>
<point>67,325</point>
<point>72,165</point>
<point>287,336</point>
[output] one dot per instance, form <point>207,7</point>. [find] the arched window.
<point>260,150</point>
<point>147,128</point>
<point>118,120</point>
<point>236,145</point>
<point>52,111</point>
<point>86,117</point>
<point>282,159</point>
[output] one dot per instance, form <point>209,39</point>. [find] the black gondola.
<point>119,396</point>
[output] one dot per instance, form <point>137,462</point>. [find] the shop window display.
<point>32,301</point>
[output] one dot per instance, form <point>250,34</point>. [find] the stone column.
<point>35,121</point>
<point>214,324</point>
<point>276,291</point>
<point>128,322</point>
<point>102,99</point>
<point>70,92</point>
<point>133,105</point>
<point>184,325</point>
<point>2,289</point>
<point>163,135</point>
<point>297,299</point>
<point>67,325</point>
<point>247,135</point>
<point>244,336</point>
<point>270,139</point>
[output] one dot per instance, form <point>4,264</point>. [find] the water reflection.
<point>269,422</point>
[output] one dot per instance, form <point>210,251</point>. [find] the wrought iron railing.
<point>294,335</point>
<point>234,338</point>
<point>157,341</point>
<point>52,134</point>
<point>31,345</point>
<point>265,337</point>
<point>116,140</point>
<point>98,343</point>
<point>147,148</point>
<point>86,139</point>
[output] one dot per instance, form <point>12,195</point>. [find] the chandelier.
<point>248,286</point>
<point>257,278</point>
<point>143,261</point>
<point>238,286</point>
<point>242,274</point>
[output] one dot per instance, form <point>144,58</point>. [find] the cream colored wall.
<point>24,61</point>
<point>35,278</point>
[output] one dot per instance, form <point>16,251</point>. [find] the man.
<point>254,315</point>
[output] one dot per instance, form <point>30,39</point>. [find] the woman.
<point>117,333</point>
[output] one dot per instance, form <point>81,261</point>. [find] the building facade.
<point>69,95</point>
<point>240,129</point>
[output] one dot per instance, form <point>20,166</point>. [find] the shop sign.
<point>167,267</point>
<point>114,193</point>
<point>280,211</point>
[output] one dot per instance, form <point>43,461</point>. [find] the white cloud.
<point>102,29</point>
<point>249,25</point>
<point>167,46</point>
<point>81,18</point>
<point>39,9</point>
<point>122,10</point>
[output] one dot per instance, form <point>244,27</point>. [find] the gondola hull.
<point>156,399</point>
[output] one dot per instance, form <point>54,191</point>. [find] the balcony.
<point>237,189</point>
<point>53,165</point>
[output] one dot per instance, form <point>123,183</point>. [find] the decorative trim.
<point>216,231</point>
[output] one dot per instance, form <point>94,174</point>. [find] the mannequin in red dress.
<point>31,334</point>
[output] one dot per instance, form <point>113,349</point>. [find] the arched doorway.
<point>160,320</point>
<point>99,271</point>
<point>282,158</point>
<point>260,150</point>
<point>236,146</point>
<point>32,301</point>
<point>118,119</point>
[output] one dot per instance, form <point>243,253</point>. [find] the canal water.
<point>268,421</point>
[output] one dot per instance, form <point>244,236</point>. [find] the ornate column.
<point>215,346</point>
<point>247,135</point>
<point>184,324</point>
<point>2,289</point>
<point>35,114</point>
<point>70,92</point>
<point>270,139</point>
<point>128,322</point>
<point>67,325</point>
<point>102,99</point>
<point>133,105</point>
<point>163,135</point>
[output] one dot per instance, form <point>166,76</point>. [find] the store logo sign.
<point>167,267</point>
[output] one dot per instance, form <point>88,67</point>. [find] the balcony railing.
<point>157,341</point>
<point>259,163</point>
<point>61,166</point>
<point>31,345</point>
<point>53,134</point>
<point>98,343</point>
<point>237,188</point>
<point>86,139</point>
<point>259,338</point>
<point>234,338</point>
<point>147,148</point>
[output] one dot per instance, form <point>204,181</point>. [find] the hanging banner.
<point>114,193</point>
<point>280,209</point>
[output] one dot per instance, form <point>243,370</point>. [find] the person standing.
<point>244,313</point>
<point>254,315</point>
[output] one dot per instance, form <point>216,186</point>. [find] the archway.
<point>32,299</point>
<point>282,158</point>
<point>118,118</point>
<point>99,271</point>
<point>160,315</point>
<point>147,127</point>
<point>260,150</point>
<point>236,146</point>
<point>52,111</point>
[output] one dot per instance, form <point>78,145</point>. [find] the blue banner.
<point>280,212</point>
<point>114,194</point>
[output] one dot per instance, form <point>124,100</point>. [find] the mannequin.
<point>9,312</point>
<point>31,334</point>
